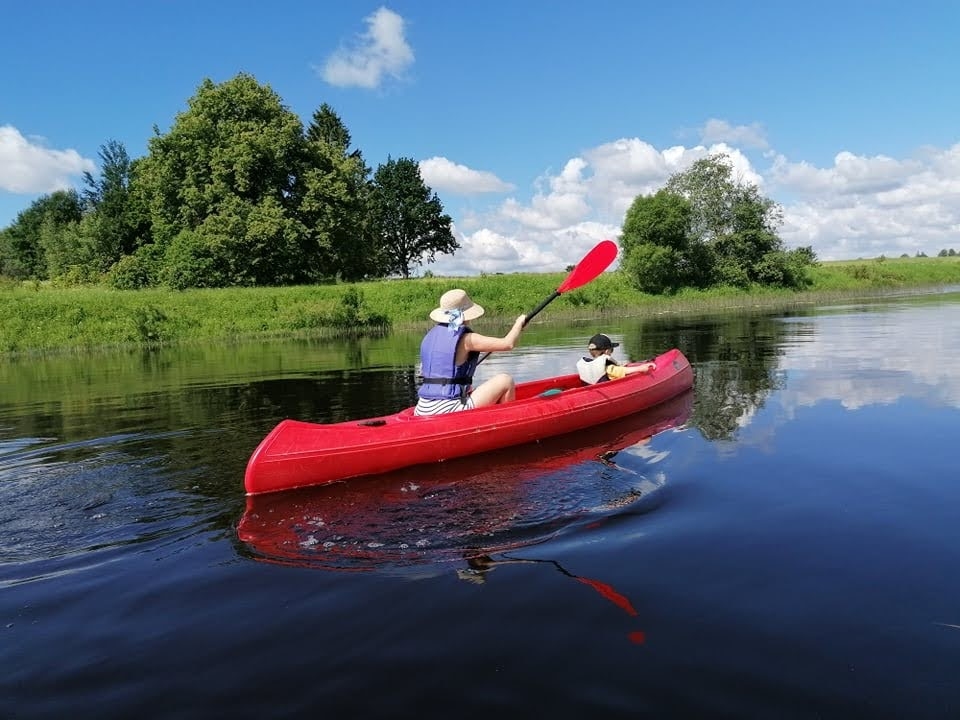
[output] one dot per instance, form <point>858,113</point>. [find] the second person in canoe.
<point>601,365</point>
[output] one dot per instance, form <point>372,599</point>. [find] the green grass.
<point>39,318</point>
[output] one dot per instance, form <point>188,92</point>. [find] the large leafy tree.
<point>711,227</point>
<point>660,252</point>
<point>407,218</point>
<point>728,216</point>
<point>220,188</point>
<point>332,191</point>
<point>22,244</point>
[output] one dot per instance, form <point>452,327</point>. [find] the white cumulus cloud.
<point>548,212</point>
<point>380,51</point>
<point>720,131</point>
<point>28,166</point>
<point>445,175</point>
<point>570,211</point>
<point>850,174</point>
<point>856,206</point>
<point>869,206</point>
<point>530,250</point>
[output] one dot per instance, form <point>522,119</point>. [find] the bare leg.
<point>498,389</point>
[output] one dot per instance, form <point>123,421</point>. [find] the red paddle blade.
<point>593,263</point>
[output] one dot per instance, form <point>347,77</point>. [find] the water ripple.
<point>58,499</point>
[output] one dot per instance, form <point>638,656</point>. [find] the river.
<point>781,542</point>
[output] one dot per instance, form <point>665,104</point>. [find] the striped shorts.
<point>439,406</point>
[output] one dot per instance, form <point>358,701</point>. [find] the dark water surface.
<point>782,542</point>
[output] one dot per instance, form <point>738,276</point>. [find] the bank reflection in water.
<point>462,509</point>
<point>735,358</point>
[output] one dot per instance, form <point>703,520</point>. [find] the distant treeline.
<point>237,193</point>
<point>240,193</point>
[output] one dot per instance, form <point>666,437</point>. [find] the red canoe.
<point>466,507</point>
<point>300,454</point>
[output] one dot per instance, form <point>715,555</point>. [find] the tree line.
<point>237,193</point>
<point>240,193</point>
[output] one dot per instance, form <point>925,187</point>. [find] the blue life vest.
<point>442,377</point>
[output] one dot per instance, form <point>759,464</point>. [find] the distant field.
<point>36,317</point>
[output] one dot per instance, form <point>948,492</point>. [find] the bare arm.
<point>475,342</point>
<point>619,371</point>
<point>641,368</point>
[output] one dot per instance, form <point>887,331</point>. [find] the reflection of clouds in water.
<point>875,358</point>
<point>870,388</point>
<point>646,453</point>
<point>746,417</point>
<point>529,363</point>
<point>856,357</point>
<point>533,362</point>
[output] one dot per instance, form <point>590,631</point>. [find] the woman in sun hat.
<point>449,355</point>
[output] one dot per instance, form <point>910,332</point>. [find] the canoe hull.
<point>300,454</point>
<point>413,516</point>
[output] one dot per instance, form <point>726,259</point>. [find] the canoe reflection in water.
<point>477,512</point>
<point>413,521</point>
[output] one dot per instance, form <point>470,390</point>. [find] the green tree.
<point>731,217</point>
<point>729,235</point>
<point>327,128</point>
<point>119,222</point>
<point>660,254</point>
<point>65,248</point>
<point>225,174</point>
<point>332,191</point>
<point>22,244</point>
<point>407,218</point>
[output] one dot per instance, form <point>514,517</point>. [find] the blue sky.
<point>536,122</point>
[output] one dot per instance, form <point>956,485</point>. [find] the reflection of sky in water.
<point>534,362</point>
<point>855,356</point>
<point>875,358</point>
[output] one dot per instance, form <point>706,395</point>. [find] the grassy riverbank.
<point>39,318</point>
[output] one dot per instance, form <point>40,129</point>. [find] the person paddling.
<point>602,366</point>
<point>449,354</point>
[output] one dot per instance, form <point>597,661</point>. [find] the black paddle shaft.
<point>592,264</point>
<point>541,306</point>
<point>546,301</point>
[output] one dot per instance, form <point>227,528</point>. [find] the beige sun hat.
<point>456,300</point>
